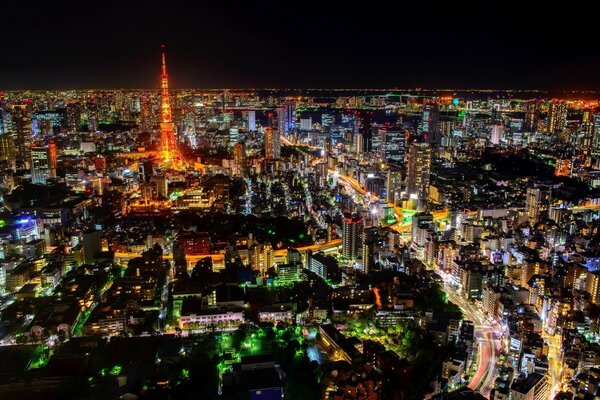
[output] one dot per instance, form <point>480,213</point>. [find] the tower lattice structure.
<point>169,154</point>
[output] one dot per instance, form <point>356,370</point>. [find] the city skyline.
<point>304,243</point>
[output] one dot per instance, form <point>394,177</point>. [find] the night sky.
<point>298,44</point>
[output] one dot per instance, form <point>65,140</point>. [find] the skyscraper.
<point>497,134</point>
<point>251,120</point>
<point>239,159</point>
<point>366,130</point>
<point>286,117</point>
<point>530,124</point>
<point>393,146</point>
<point>40,165</point>
<point>7,150</point>
<point>557,116</point>
<point>169,154</point>
<point>368,251</point>
<point>272,144</point>
<point>419,170</point>
<point>430,123</point>
<point>352,233</point>
<point>538,203</point>
<point>19,127</point>
<point>596,137</point>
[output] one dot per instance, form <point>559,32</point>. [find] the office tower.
<point>377,139</point>
<point>430,123</point>
<point>19,127</point>
<point>92,245</point>
<point>596,136</point>
<point>366,131</point>
<point>530,124</point>
<point>359,143</point>
<point>239,159</point>
<point>306,124</point>
<point>41,164</point>
<point>272,144</point>
<point>169,155</point>
<point>7,150</point>
<point>585,135</point>
<point>538,203</point>
<point>251,120</point>
<point>326,147</point>
<point>393,184</point>
<point>497,134</point>
<point>352,231</point>
<point>368,252</point>
<point>557,116</point>
<point>393,144</point>
<point>286,117</point>
<point>419,170</point>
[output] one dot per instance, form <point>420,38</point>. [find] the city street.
<point>488,344</point>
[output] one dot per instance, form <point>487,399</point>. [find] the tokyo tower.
<point>169,155</point>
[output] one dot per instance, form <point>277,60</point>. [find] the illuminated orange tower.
<point>169,154</point>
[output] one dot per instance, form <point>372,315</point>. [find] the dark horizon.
<point>277,45</point>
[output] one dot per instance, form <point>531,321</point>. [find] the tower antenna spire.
<point>164,60</point>
<point>169,153</point>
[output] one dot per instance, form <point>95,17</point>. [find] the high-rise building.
<point>585,136</point>
<point>359,143</point>
<point>538,203</point>
<point>251,120</point>
<point>393,184</point>
<point>368,251</point>
<point>352,233</point>
<point>366,130</point>
<point>306,124</point>
<point>272,144</point>
<point>421,223</point>
<point>43,164</point>
<point>593,286</point>
<point>419,170</point>
<point>18,125</point>
<point>497,134</point>
<point>239,159</point>
<point>557,117</point>
<point>530,124</point>
<point>261,257</point>
<point>7,150</point>
<point>286,117</point>
<point>169,155</point>
<point>430,123</point>
<point>596,136</point>
<point>393,144</point>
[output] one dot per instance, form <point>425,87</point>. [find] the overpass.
<point>333,246</point>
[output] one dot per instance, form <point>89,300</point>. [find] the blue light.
<point>455,101</point>
<point>24,221</point>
